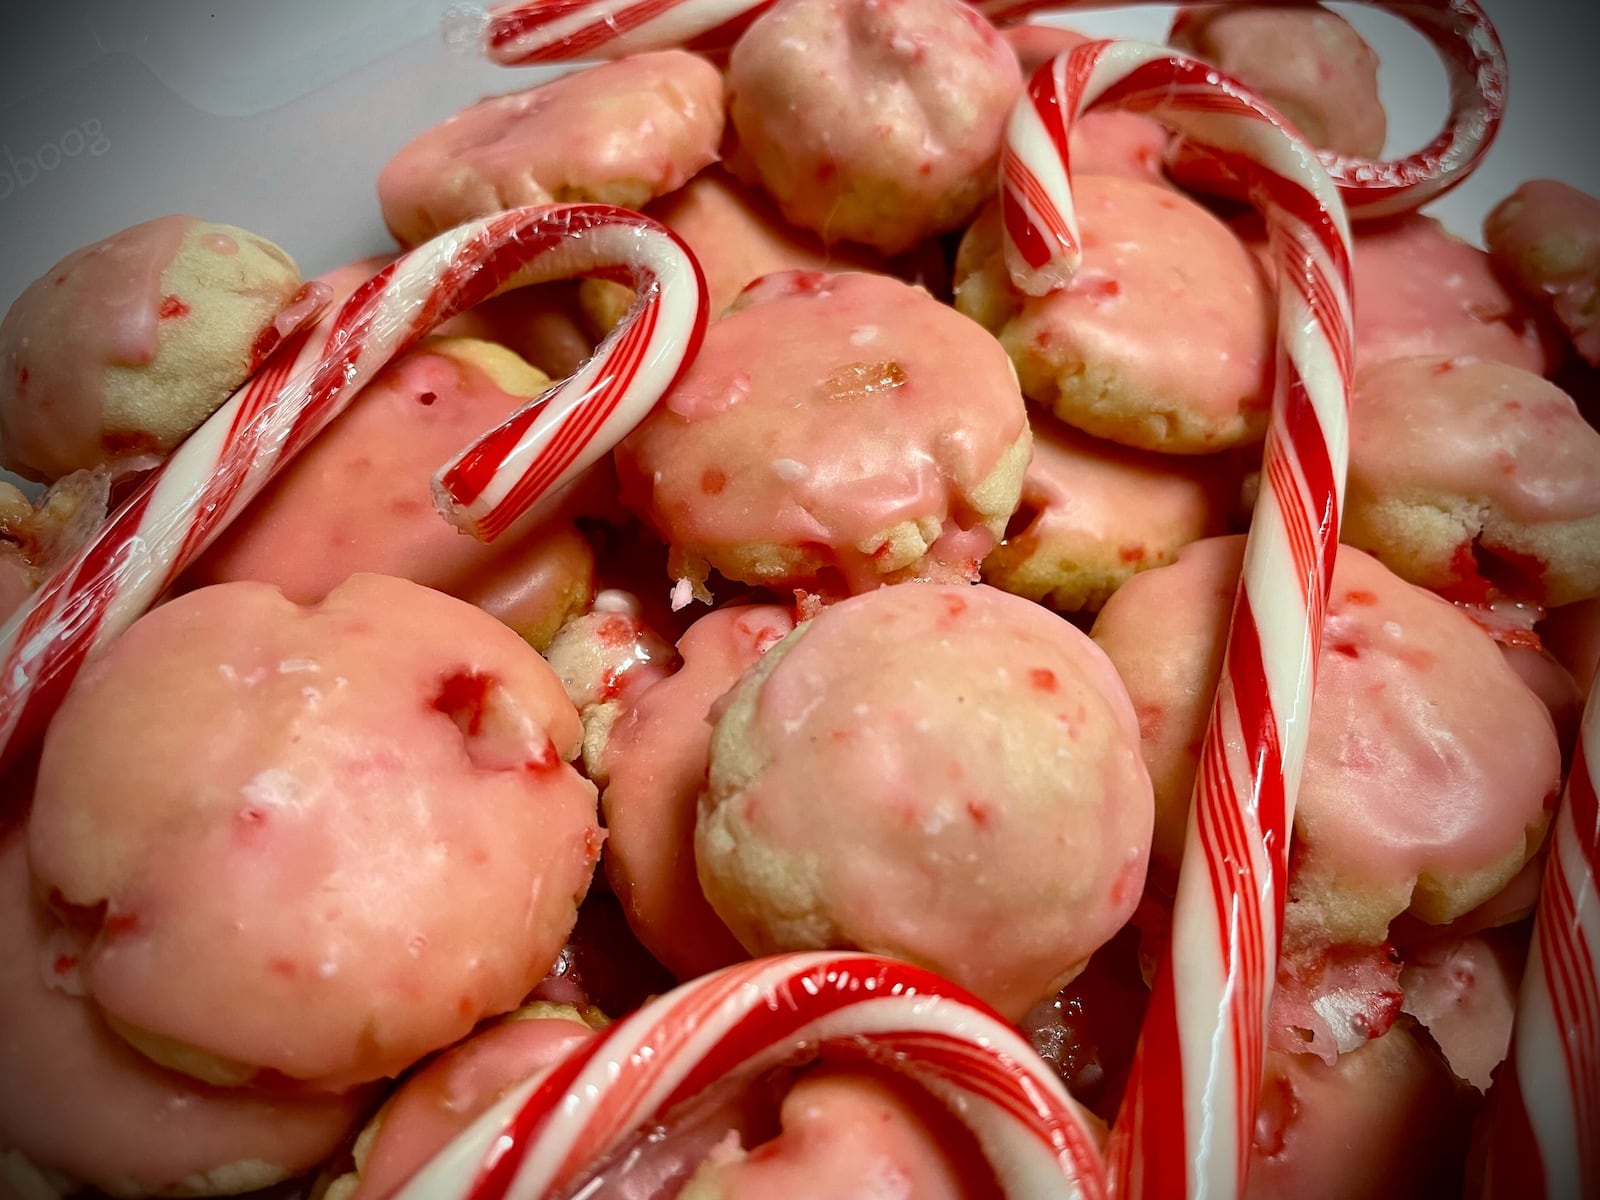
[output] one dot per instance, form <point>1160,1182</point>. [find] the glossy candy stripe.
<point>1197,1072</point>
<point>547,1136</point>
<point>1545,1141</point>
<point>545,31</point>
<point>313,375</point>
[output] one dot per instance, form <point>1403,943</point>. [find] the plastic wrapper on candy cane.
<point>1545,1140</point>
<point>1186,1123</point>
<point>307,381</point>
<point>534,31</point>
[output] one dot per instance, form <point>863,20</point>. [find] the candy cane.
<point>545,1137</point>
<point>313,375</point>
<point>535,31</point>
<point>1197,1072</point>
<point>1545,1141</point>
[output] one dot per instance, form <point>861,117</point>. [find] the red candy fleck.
<point>1044,679</point>
<point>462,697</point>
<point>1348,649</point>
<point>1363,598</point>
<point>713,480</point>
<point>118,924</point>
<point>427,398</point>
<point>1131,554</point>
<point>64,963</point>
<point>172,307</point>
<point>979,812</point>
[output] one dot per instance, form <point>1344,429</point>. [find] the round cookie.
<point>1382,1123</point>
<point>1545,239</point>
<point>1430,767</point>
<point>736,237</point>
<point>359,499</point>
<point>835,432</point>
<point>80,1102</point>
<point>1163,339</point>
<point>312,842</point>
<point>1093,513</point>
<point>1308,63</point>
<point>854,1132</point>
<point>871,122</point>
<point>623,132</point>
<point>1421,291</point>
<point>655,762</point>
<point>949,775</point>
<point>1101,143</point>
<point>1476,479</point>
<point>114,355</point>
<point>442,1099</point>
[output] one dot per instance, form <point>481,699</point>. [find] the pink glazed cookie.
<point>655,761</point>
<point>313,843</point>
<point>114,355</point>
<point>358,499</point>
<point>836,432</point>
<point>79,1101</point>
<point>622,133</point>
<point>1309,63</point>
<point>871,121</point>
<point>848,1134</point>
<point>1476,479</point>
<point>1163,339</point>
<point>1545,238</point>
<point>1421,291</point>
<point>1430,768</point>
<point>1376,1125</point>
<point>736,237</point>
<point>909,772</point>
<point>447,1093</point>
<point>1093,513</point>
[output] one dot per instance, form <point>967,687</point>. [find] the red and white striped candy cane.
<point>315,373</point>
<point>1189,1113</point>
<point>548,1136</point>
<point>544,31</point>
<point>1545,1140</point>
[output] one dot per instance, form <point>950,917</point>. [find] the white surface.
<point>277,116</point>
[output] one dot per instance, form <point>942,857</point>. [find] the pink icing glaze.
<point>1168,305</point>
<point>1464,990</point>
<point>858,1134</point>
<point>820,413</point>
<point>911,778</point>
<point>621,132</point>
<point>1545,237</point>
<point>737,237</point>
<point>1426,754</point>
<point>78,1099</point>
<point>1573,635</point>
<point>1307,62</point>
<point>358,499</point>
<point>101,307</point>
<point>1383,1123</point>
<point>319,842</point>
<point>1102,143</point>
<point>1553,684</point>
<point>876,122</point>
<point>656,762</point>
<point>1420,291</point>
<point>1493,433</point>
<point>444,1097</point>
<point>1085,500</point>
